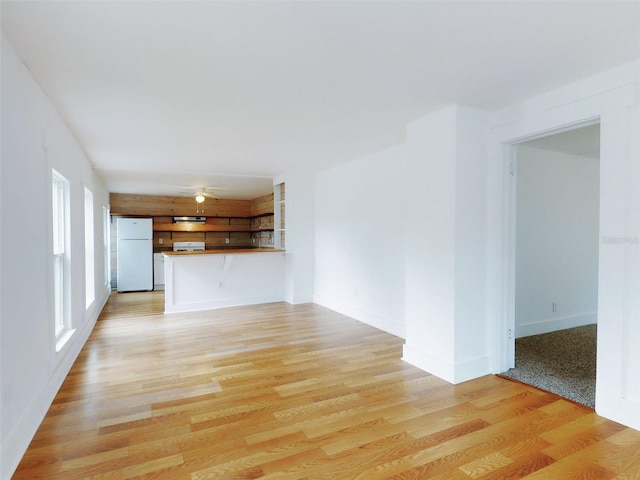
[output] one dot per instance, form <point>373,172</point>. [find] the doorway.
<point>556,242</point>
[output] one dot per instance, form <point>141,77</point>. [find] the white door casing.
<point>618,383</point>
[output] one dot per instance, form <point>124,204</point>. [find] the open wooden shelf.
<point>206,227</point>
<point>199,227</point>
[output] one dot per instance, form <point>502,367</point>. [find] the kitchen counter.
<point>225,251</point>
<point>209,279</point>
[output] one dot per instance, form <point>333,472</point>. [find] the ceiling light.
<point>199,198</point>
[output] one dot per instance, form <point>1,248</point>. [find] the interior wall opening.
<point>556,213</point>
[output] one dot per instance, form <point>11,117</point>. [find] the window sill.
<point>63,339</point>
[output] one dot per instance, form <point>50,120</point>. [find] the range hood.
<point>189,219</point>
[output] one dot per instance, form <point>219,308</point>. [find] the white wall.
<point>557,239</point>
<point>35,139</point>
<point>300,241</point>
<point>401,241</point>
<point>445,266</point>
<point>430,246</point>
<point>471,329</point>
<point>359,242</point>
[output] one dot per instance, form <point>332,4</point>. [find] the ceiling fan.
<point>201,193</point>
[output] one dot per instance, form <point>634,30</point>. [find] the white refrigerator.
<point>135,254</point>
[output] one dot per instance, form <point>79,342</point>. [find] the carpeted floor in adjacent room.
<point>562,362</point>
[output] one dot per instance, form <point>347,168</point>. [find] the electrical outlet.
<point>161,241</point>
<point>554,307</point>
<point>226,240</point>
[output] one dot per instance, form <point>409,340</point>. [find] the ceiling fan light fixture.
<point>199,197</point>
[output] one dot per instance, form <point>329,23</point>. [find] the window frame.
<point>89,249</point>
<point>60,258</point>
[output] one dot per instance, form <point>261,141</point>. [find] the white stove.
<point>187,246</point>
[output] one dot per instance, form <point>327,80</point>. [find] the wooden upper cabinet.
<point>157,205</point>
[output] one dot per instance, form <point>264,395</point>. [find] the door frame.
<point>511,151</point>
<point>509,167</point>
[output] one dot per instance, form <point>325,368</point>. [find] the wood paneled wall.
<point>262,205</point>
<point>160,205</point>
<point>222,212</point>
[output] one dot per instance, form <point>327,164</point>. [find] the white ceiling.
<point>231,91</point>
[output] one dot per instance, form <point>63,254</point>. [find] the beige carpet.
<point>562,362</point>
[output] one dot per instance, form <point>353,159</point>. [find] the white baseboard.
<point>300,298</point>
<point>555,324</point>
<point>385,324</point>
<point>222,303</point>
<point>455,373</point>
<point>428,363</point>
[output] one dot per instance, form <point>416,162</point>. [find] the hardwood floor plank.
<point>593,472</point>
<point>277,391</point>
<point>80,462</point>
<point>152,465</point>
<point>485,465</point>
<point>584,438</point>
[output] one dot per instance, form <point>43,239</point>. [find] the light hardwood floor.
<point>299,392</point>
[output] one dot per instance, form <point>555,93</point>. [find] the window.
<point>106,229</point>
<point>89,254</point>
<point>60,203</point>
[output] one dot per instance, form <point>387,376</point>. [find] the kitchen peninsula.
<point>208,279</point>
